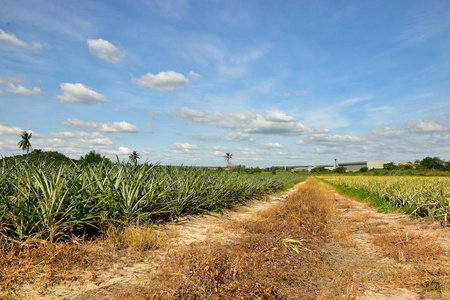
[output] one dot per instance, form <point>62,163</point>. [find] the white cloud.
<point>8,145</point>
<point>21,90</point>
<point>336,140</point>
<point>238,137</point>
<point>195,115</point>
<point>387,132</point>
<point>163,82</point>
<point>184,148</point>
<point>7,130</point>
<point>217,147</point>
<point>105,50</point>
<point>273,122</point>
<point>119,151</point>
<point>79,93</point>
<point>270,145</point>
<point>84,139</point>
<point>195,76</point>
<point>12,39</point>
<point>427,126</point>
<point>103,127</point>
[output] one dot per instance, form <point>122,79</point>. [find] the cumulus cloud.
<point>427,126</point>
<point>335,140</point>
<point>8,130</point>
<point>195,115</point>
<point>88,139</point>
<point>272,122</point>
<point>105,50</point>
<point>162,82</point>
<point>10,38</point>
<point>79,93</point>
<point>270,145</point>
<point>387,132</point>
<point>184,148</point>
<point>21,90</point>
<point>5,129</point>
<point>238,137</point>
<point>119,151</point>
<point>195,76</point>
<point>99,126</point>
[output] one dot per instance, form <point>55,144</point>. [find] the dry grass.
<point>279,255</point>
<point>376,228</point>
<point>407,246</point>
<point>137,237</point>
<point>44,264</point>
<point>343,235</point>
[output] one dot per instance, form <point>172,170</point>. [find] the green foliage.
<point>389,166</point>
<point>364,169</point>
<point>134,156</point>
<point>94,158</point>
<point>43,200</point>
<point>340,170</point>
<point>429,163</point>
<point>25,144</point>
<point>319,170</point>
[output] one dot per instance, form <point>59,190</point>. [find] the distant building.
<point>303,168</point>
<point>371,164</point>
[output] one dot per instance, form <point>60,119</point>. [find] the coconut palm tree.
<point>228,156</point>
<point>25,144</point>
<point>134,156</point>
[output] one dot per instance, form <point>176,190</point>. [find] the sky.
<point>274,83</point>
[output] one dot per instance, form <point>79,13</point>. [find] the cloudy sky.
<point>185,81</point>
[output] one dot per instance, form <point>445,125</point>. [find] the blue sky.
<point>184,82</point>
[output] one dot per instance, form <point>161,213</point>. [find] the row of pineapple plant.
<point>421,196</point>
<point>47,201</point>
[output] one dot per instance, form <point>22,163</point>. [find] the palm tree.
<point>228,156</point>
<point>134,156</point>
<point>25,144</point>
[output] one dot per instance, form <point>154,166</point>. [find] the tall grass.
<point>41,200</point>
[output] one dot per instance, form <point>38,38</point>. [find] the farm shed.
<point>371,164</point>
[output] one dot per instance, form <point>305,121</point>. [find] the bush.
<point>340,170</point>
<point>364,169</point>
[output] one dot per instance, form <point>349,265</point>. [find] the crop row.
<point>422,196</point>
<point>44,201</point>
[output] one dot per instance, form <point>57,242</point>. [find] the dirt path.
<point>393,255</point>
<point>381,256</point>
<point>128,270</point>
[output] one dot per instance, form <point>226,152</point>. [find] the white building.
<point>371,164</point>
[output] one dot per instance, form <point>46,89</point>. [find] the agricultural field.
<point>421,196</point>
<point>45,201</point>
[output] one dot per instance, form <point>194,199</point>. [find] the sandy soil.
<point>375,275</point>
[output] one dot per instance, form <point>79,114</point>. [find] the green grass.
<point>375,201</point>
